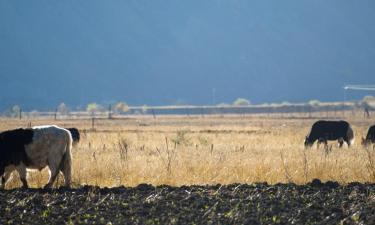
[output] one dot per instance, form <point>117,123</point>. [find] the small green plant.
<point>181,138</point>
<point>46,213</point>
<point>203,141</point>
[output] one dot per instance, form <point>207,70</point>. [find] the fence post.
<point>110,111</point>
<point>20,113</point>
<point>93,123</point>
<point>187,112</point>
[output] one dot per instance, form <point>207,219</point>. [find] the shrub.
<point>314,103</point>
<point>241,102</point>
<point>93,108</point>
<point>63,109</point>
<point>121,107</point>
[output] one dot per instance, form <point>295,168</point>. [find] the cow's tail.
<point>66,161</point>
<point>350,135</point>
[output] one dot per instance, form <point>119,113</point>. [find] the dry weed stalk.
<point>305,165</point>
<point>286,169</point>
<point>370,163</point>
<point>123,149</point>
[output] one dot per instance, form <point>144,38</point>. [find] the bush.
<point>314,102</point>
<point>241,102</point>
<point>15,111</point>
<point>223,104</point>
<point>63,109</point>
<point>121,107</point>
<point>93,108</point>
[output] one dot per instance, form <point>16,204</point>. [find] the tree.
<point>223,104</point>
<point>144,109</point>
<point>93,108</point>
<point>241,102</point>
<point>62,109</point>
<point>15,111</point>
<point>367,102</point>
<point>286,103</point>
<point>121,107</point>
<point>314,103</point>
<point>34,113</point>
<point>369,98</point>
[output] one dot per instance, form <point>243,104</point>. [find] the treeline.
<point>240,106</point>
<point>305,110</point>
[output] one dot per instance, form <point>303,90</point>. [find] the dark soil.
<point>315,203</point>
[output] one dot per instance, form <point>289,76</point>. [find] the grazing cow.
<point>75,135</point>
<point>36,148</point>
<point>324,131</point>
<point>370,137</point>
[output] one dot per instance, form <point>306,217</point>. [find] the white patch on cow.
<point>48,145</point>
<point>352,141</point>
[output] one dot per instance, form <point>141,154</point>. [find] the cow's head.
<point>308,143</point>
<point>364,142</point>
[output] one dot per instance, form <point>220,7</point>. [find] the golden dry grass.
<point>179,150</point>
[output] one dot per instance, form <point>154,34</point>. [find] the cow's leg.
<point>54,164</point>
<point>326,147</point>
<point>341,142</point>
<point>5,178</point>
<point>66,167</point>
<point>54,171</point>
<point>347,142</point>
<point>319,142</point>
<point>23,173</point>
<point>67,172</point>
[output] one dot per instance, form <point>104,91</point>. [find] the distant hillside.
<point>186,52</point>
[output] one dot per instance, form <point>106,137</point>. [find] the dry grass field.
<point>181,150</point>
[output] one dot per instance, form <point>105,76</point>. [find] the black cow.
<point>35,148</point>
<point>75,135</point>
<point>324,131</point>
<point>370,137</point>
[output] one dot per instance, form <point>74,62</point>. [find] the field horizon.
<point>196,150</point>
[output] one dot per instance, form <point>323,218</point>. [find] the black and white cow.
<point>323,131</point>
<point>370,137</point>
<point>36,148</point>
<point>75,135</point>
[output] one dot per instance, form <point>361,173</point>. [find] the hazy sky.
<point>159,52</point>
